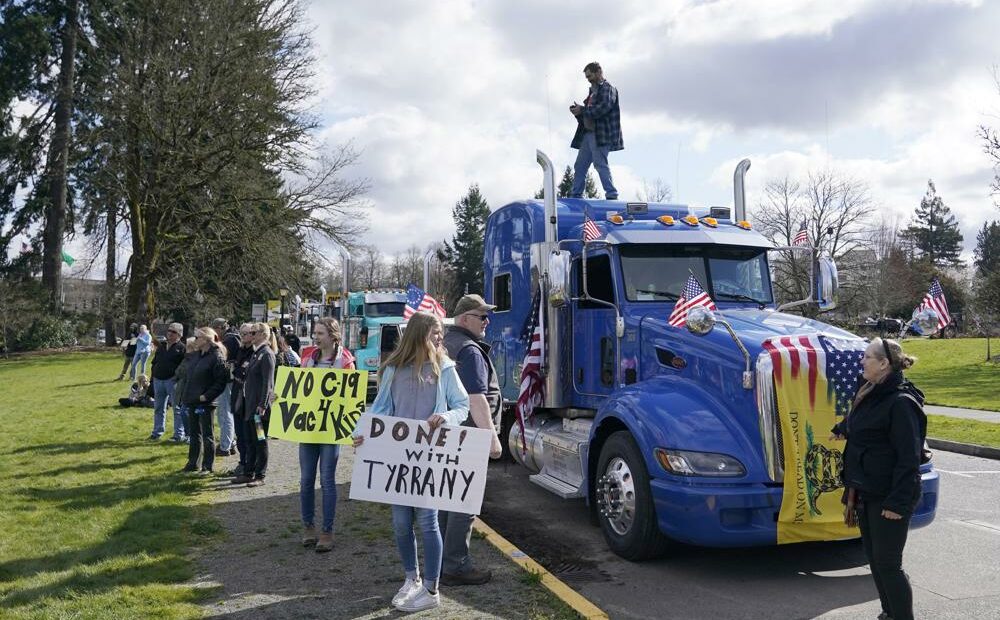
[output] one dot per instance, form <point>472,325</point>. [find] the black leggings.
<point>884,540</point>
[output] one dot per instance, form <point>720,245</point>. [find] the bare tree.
<point>837,211</point>
<point>369,270</point>
<point>656,190</point>
<point>407,267</point>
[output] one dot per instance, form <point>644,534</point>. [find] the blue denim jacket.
<point>452,400</point>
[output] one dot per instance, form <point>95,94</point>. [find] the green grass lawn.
<point>954,372</point>
<point>965,431</point>
<point>96,521</point>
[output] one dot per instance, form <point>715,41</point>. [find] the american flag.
<point>692,296</point>
<point>934,299</point>
<point>419,301</point>
<point>819,363</point>
<point>801,237</point>
<point>590,229</point>
<point>532,385</point>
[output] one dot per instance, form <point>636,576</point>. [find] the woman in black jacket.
<point>885,434</point>
<point>206,379</point>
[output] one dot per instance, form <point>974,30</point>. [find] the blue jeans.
<point>163,390</point>
<point>327,455</point>
<point>225,417</point>
<point>402,524</point>
<point>591,153</point>
<point>139,359</point>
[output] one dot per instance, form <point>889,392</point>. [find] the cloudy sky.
<point>439,95</point>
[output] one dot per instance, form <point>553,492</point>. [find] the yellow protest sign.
<point>317,405</point>
<point>814,379</point>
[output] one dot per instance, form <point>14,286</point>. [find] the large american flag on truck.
<point>532,390</point>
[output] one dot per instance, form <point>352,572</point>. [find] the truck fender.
<point>670,412</point>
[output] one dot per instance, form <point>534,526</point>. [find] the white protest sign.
<point>403,462</point>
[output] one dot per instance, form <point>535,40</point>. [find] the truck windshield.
<point>655,272</point>
<point>383,309</point>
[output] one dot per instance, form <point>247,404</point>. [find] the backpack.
<point>925,453</point>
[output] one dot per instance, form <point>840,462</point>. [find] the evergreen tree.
<point>987,261</point>
<point>934,232</point>
<point>565,185</point>
<point>464,254</point>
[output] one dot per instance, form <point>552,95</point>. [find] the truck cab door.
<point>594,341</point>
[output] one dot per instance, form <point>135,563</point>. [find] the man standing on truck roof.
<point>598,132</point>
<point>465,344</point>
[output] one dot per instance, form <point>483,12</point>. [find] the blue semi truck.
<point>670,434</point>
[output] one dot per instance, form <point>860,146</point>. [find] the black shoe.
<point>219,452</point>
<point>153,438</point>
<point>232,451</point>
<point>241,479</point>
<point>471,577</point>
<point>188,470</point>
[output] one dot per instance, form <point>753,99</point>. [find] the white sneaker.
<point>411,587</point>
<point>423,600</point>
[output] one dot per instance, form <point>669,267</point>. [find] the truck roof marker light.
<point>690,220</point>
<point>745,225</point>
<point>614,218</point>
<point>666,220</point>
<point>710,221</point>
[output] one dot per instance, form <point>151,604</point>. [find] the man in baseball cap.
<point>466,345</point>
<point>168,357</point>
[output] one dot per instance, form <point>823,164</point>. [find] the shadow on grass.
<point>132,555</point>
<point>88,384</point>
<point>87,468</point>
<point>105,494</point>
<point>81,447</point>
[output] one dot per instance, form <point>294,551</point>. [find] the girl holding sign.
<point>419,382</point>
<point>329,353</point>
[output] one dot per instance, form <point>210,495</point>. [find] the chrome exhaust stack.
<point>739,193</point>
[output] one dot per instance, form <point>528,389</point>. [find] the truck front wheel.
<point>624,502</point>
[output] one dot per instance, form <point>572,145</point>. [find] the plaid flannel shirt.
<point>603,110</point>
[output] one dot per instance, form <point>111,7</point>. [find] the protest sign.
<point>317,405</point>
<point>403,462</point>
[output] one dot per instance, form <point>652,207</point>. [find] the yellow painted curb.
<point>566,594</point>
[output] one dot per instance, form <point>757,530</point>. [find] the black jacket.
<point>206,376</point>
<point>885,439</point>
<point>168,357</point>
<point>258,384</point>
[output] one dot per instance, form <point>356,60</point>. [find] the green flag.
<point>69,260</point>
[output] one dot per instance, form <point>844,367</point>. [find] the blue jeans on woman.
<point>427,518</point>
<point>139,359</point>
<point>326,454</point>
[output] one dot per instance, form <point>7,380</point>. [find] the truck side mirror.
<point>827,284</point>
<point>558,278</point>
<point>700,320</point>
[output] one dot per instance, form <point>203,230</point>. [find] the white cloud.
<point>441,95</point>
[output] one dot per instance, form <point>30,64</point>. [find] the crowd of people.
<point>449,378</point>
<point>225,376</point>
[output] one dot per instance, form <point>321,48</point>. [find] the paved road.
<point>972,414</point>
<point>954,563</point>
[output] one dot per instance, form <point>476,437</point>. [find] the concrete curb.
<point>969,449</point>
<point>571,597</point>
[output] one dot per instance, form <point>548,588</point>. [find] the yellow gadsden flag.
<point>814,379</point>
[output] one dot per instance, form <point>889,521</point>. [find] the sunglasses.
<point>481,317</point>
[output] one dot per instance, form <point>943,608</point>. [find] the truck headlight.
<point>691,463</point>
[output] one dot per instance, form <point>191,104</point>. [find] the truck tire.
<point>624,502</point>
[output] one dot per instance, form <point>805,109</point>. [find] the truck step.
<point>556,486</point>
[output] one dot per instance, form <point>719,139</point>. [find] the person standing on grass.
<point>258,390</point>
<point>885,432</point>
<point>329,353</point>
<point>206,379</point>
<point>143,342</point>
<point>168,357</point>
<point>128,348</point>
<point>180,383</point>
<point>239,366</point>
<point>419,382</point>
<point>231,341</point>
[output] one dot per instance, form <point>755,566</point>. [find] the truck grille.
<point>768,421</point>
